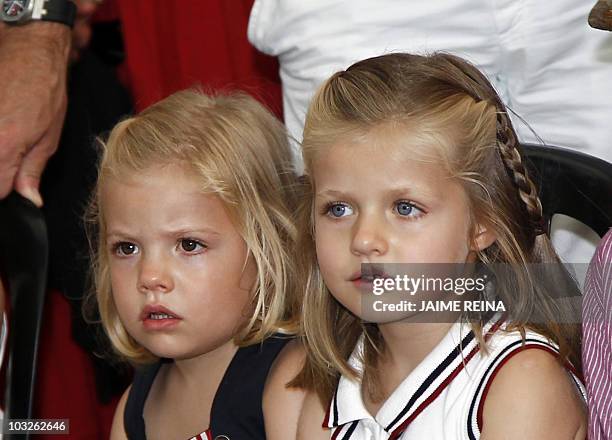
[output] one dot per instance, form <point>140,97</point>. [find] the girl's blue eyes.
<point>404,208</point>
<point>188,245</point>
<point>340,209</point>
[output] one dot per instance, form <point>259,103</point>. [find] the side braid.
<point>480,89</point>
<point>511,157</point>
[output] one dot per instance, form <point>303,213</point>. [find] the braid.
<point>514,164</point>
<point>480,89</point>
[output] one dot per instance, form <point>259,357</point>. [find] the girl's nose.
<point>369,237</point>
<point>154,275</point>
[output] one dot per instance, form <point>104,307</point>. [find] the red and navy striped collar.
<point>417,391</point>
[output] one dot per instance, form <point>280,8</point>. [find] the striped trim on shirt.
<point>206,435</point>
<point>475,413</point>
<point>430,389</point>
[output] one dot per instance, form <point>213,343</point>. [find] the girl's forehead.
<point>171,194</point>
<point>175,178</point>
<point>394,143</point>
<point>161,186</point>
<point>128,173</point>
<point>373,172</point>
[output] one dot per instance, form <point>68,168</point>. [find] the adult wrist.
<point>49,38</point>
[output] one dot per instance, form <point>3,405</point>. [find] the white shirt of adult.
<point>545,61</point>
<point>548,65</point>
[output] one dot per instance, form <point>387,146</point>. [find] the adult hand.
<point>33,62</point>
<point>81,34</point>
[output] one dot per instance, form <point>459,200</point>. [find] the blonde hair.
<point>240,152</point>
<point>449,102</point>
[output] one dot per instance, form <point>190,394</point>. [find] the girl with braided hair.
<point>413,159</point>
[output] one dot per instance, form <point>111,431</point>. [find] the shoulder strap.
<point>133,419</point>
<point>237,408</point>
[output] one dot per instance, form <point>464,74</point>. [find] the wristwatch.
<point>25,11</point>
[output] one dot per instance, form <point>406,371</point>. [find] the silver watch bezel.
<point>24,17</point>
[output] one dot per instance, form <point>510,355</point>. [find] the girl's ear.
<point>483,238</point>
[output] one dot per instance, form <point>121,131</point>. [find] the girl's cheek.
<point>329,248</point>
<point>120,276</point>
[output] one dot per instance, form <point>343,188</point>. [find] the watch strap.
<point>61,11</point>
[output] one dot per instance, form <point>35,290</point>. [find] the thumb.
<point>27,183</point>
<point>31,193</point>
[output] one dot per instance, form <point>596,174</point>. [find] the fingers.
<point>82,34</point>
<point>7,176</point>
<point>28,176</point>
<point>80,38</point>
<point>10,158</point>
<point>86,8</point>
<point>82,28</point>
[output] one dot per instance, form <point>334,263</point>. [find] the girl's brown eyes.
<point>188,245</point>
<point>191,245</point>
<point>124,248</point>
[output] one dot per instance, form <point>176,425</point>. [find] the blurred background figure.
<point>601,15</point>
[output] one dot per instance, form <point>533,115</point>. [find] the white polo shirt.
<point>442,398</point>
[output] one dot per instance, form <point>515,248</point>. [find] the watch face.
<point>13,10</point>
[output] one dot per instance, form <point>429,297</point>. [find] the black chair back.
<point>572,183</point>
<point>24,257</point>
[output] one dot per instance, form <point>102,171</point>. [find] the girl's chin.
<point>168,351</point>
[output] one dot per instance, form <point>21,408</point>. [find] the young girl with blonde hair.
<point>193,277</point>
<point>413,159</point>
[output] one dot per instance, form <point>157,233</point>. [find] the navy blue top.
<point>237,407</point>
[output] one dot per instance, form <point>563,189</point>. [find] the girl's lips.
<point>364,280</point>
<point>365,284</point>
<point>157,309</point>
<point>368,275</point>
<point>160,324</point>
<point>361,283</point>
<point>152,322</point>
